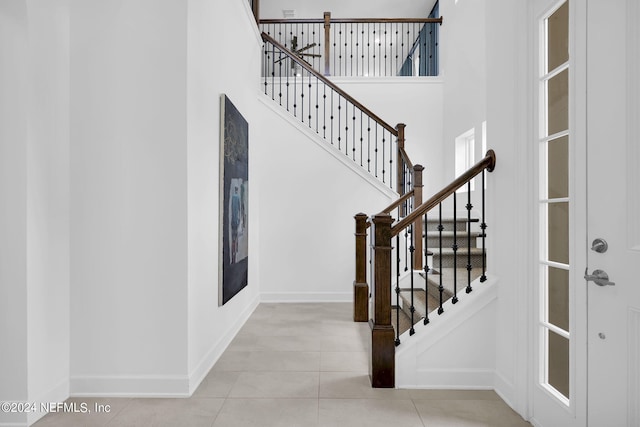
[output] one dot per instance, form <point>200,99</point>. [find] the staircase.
<point>453,270</point>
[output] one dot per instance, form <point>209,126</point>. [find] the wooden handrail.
<point>405,158</point>
<point>329,83</point>
<point>352,20</point>
<point>488,163</point>
<point>398,202</point>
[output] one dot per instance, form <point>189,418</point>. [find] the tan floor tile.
<point>276,385</point>
<point>343,343</point>
<point>468,413</point>
<point>192,412</point>
<point>102,410</point>
<point>368,413</point>
<point>300,361</point>
<point>216,384</point>
<point>353,361</point>
<point>351,385</point>
<point>244,342</point>
<point>268,413</point>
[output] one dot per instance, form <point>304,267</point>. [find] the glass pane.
<point>558,168</point>
<point>558,232</point>
<point>558,297</point>
<point>558,369</point>
<point>558,36</point>
<point>558,103</point>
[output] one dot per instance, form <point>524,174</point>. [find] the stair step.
<point>447,256</point>
<point>462,279</point>
<point>433,238</point>
<point>405,321</point>
<point>448,223</point>
<point>420,301</point>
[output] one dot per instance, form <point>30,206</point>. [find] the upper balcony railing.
<point>362,46</point>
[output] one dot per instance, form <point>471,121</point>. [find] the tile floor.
<point>287,368</point>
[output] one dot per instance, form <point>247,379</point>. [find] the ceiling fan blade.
<point>309,46</point>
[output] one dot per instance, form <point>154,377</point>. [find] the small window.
<point>464,156</point>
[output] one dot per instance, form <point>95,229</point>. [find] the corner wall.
<point>34,250</point>
<point>214,67</point>
<point>128,198</point>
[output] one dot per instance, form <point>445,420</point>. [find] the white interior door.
<point>613,212</point>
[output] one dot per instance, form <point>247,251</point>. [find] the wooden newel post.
<point>382,334</point>
<point>327,43</point>
<point>360,286</point>
<point>417,226</point>
<point>400,160</point>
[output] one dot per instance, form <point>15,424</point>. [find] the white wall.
<point>463,67</point>
<point>209,22</point>
<point>511,235</point>
<point>351,9</point>
<point>13,215</point>
<point>416,102</point>
<point>34,118</point>
<point>128,197</point>
<point>308,198</point>
<point>48,265</point>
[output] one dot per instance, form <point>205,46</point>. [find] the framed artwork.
<point>234,191</point>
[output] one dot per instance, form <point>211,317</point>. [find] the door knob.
<point>599,245</point>
<point>599,277</point>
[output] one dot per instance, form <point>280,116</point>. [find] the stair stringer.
<point>456,350</point>
<point>332,150</point>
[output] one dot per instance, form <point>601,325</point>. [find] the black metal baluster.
<point>376,150</point>
<point>336,72</point>
<point>353,133</point>
<point>440,228</point>
<point>385,49</point>
<point>483,227</point>
<point>295,92</point>
<point>301,95</point>
<point>397,290</point>
<point>406,248</point>
<point>309,100</point>
<point>374,50</point>
<point>280,81</point>
<point>455,248</point>
<point>339,118</point>
<point>346,129</point>
<point>317,102</point>
<point>383,155</point>
<point>426,275</point>
<point>351,46</point>
<point>287,85</point>
<point>413,308</point>
<point>391,150</point>
<point>340,54</point>
<point>368,144</point>
<point>368,50</point>
<point>361,139</point>
<point>324,111</point>
<point>469,207</point>
<point>265,67</point>
<point>331,112</point>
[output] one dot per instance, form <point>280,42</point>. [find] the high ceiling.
<point>347,9</point>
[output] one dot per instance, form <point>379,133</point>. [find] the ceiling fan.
<point>299,52</point>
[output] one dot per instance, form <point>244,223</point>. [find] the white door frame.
<point>545,409</point>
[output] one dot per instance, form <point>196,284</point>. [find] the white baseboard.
<point>452,379</point>
<point>301,297</point>
<point>130,386</point>
<point>212,356</point>
<point>58,393</point>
